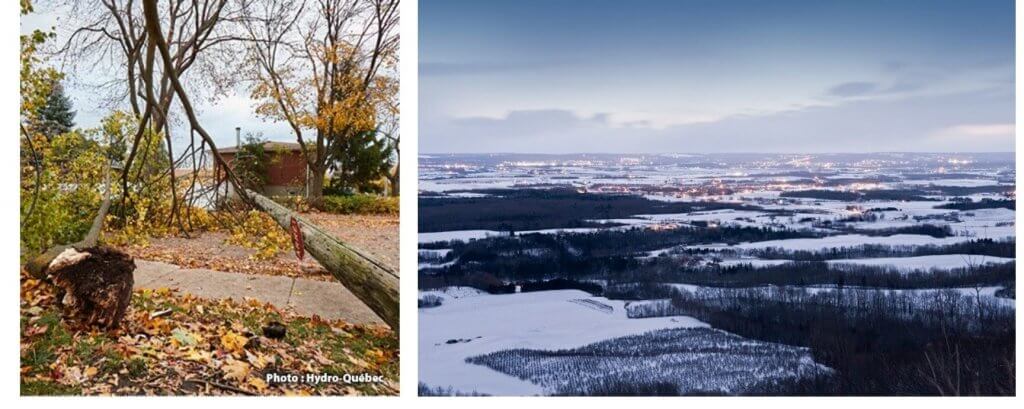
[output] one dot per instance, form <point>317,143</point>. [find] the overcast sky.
<point>218,117</point>
<point>716,76</point>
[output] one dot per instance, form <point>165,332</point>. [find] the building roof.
<point>268,146</point>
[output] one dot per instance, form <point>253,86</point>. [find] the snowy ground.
<point>926,263</point>
<point>923,295</point>
<point>846,240</point>
<point>453,293</point>
<point>937,262</point>
<point>469,235</point>
<point>434,253</point>
<point>478,325</point>
<point>752,261</point>
<point>461,235</point>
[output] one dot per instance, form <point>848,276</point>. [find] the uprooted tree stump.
<point>95,284</point>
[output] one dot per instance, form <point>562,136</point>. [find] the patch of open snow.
<point>435,252</point>
<point>461,235</point>
<point>659,252</point>
<point>846,240</point>
<point>455,292</point>
<point>626,221</point>
<point>436,265</point>
<point>952,182</point>
<point>467,235</point>
<point>988,294</point>
<point>939,262</point>
<point>467,194</point>
<point>756,262</point>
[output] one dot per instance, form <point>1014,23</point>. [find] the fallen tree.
<point>97,280</point>
<point>372,282</point>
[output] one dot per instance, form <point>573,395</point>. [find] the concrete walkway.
<point>303,296</point>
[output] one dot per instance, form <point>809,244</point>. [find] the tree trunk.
<point>393,180</point>
<point>315,186</point>
<point>373,283</point>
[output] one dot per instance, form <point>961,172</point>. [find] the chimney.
<point>238,137</point>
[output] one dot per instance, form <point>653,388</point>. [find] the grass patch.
<point>47,388</point>
<point>361,204</point>
<point>345,204</point>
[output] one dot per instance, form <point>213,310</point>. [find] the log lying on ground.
<point>371,281</point>
<point>96,283</point>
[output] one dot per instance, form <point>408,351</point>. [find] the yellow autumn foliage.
<point>259,232</point>
<point>233,342</point>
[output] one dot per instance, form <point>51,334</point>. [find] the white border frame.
<point>10,360</point>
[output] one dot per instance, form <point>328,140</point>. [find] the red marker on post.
<point>300,251</point>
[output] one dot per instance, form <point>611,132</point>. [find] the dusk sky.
<point>716,76</point>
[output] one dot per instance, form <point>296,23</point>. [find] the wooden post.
<point>372,282</point>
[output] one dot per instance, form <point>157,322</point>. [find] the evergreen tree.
<point>56,117</point>
<point>360,162</point>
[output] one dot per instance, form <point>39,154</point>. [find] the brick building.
<point>286,173</point>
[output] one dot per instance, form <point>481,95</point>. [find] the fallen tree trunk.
<point>372,282</point>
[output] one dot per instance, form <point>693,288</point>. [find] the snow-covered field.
<point>466,343</point>
<point>482,324</point>
<point>460,235</point>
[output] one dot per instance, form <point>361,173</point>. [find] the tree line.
<point>878,343</point>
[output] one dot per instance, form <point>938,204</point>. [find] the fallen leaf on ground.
<point>236,370</point>
<point>233,342</point>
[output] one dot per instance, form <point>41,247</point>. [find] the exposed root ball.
<point>96,283</point>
